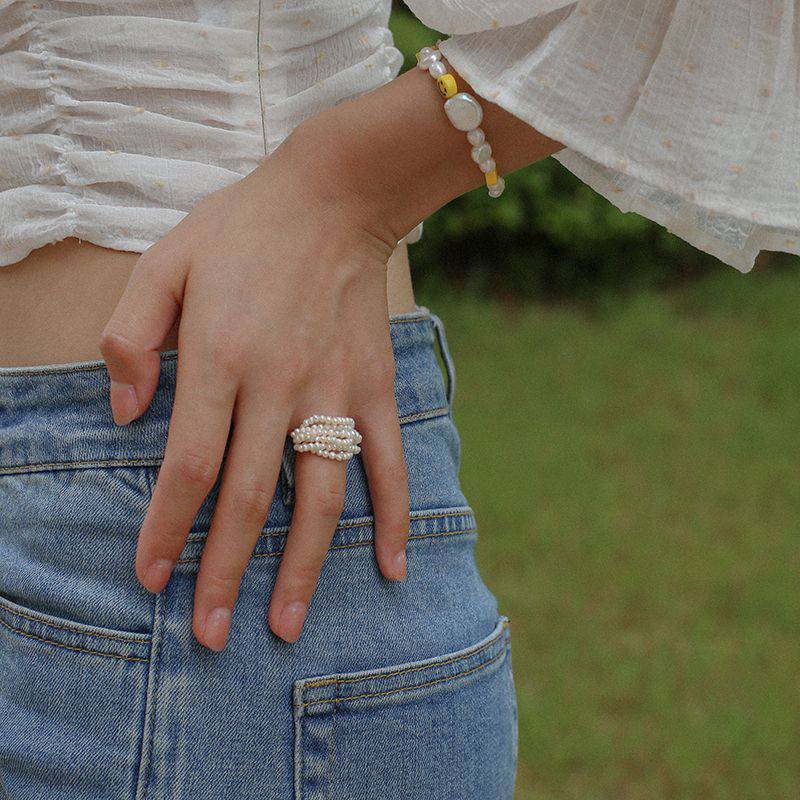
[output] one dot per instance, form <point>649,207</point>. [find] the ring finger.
<point>319,493</point>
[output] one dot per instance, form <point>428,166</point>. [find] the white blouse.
<point>113,125</point>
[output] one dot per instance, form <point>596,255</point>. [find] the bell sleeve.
<point>684,111</point>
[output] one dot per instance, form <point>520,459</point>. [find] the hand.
<point>281,290</point>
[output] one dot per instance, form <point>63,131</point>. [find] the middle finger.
<point>319,492</point>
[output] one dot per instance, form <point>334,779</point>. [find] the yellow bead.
<point>447,85</point>
<point>491,178</point>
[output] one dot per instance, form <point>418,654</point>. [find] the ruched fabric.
<point>117,116</point>
<point>685,111</point>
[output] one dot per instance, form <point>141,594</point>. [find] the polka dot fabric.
<point>117,117</point>
<point>685,111</point>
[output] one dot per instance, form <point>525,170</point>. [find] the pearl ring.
<point>330,437</point>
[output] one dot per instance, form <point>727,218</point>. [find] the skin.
<point>301,244</point>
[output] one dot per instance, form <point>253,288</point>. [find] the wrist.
<point>390,158</point>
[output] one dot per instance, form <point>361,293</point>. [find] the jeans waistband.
<point>58,416</point>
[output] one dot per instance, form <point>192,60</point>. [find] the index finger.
<point>198,432</point>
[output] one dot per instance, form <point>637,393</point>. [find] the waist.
<point>58,418</point>
<point>55,303</point>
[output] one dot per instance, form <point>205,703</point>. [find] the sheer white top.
<point>117,116</point>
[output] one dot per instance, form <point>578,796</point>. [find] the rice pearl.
<point>476,137</point>
<point>482,153</point>
<point>488,165</point>
<point>426,61</point>
<point>437,69</point>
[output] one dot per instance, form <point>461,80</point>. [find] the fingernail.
<point>215,632</point>
<point>291,621</point>
<point>157,574</point>
<point>400,565</point>
<point>124,403</point>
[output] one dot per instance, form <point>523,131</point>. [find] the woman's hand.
<point>281,291</point>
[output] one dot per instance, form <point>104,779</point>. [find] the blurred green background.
<point>629,415</point>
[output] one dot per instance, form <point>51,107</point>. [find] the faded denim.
<point>395,691</point>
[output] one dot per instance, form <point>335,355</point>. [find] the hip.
<point>55,303</point>
<point>96,672</point>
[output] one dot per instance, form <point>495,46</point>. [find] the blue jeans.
<point>394,691</point>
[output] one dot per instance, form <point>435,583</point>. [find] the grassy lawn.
<point>636,475</point>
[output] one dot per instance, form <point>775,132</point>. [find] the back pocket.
<point>437,729</point>
<point>72,700</point>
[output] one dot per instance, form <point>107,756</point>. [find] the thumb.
<point>131,339</point>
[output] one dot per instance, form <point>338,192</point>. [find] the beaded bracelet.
<point>466,114</point>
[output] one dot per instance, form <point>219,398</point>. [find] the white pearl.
<point>476,137</point>
<point>464,111</point>
<point>496,189</point>
<point>488,165</point>
<point>437,69</point>
<point>426,61</point>
<point>481,153</point>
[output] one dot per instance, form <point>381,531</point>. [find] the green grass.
<point>635,471</point>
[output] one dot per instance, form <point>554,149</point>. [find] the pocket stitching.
<point>75,648</point>
<point>480,666</point>
<point>416,668</point>
<point>81,631</point>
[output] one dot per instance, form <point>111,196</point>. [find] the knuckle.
<point>327,502</point>
<point>251,501</point>
<point>226,354</point>
<point>195,470</point>
<point>114,343</point>
<point>216,580</point>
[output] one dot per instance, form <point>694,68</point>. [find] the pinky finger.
<point>387,475</point>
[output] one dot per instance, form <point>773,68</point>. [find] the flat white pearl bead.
<point>476,137</point>
<point>488,165</point>
<point>437,69</point>
<point>496,189</point>
<point>481,153</point>
<point>464,111</point>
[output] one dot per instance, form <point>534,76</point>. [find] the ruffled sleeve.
<point>685,111</point>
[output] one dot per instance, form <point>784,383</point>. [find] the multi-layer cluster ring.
<point>330,437</point>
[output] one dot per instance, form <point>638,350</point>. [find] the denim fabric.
<point>394,690</point>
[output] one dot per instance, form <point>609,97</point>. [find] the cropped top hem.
<point>114,125</point>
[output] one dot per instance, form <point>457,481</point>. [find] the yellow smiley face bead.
<point>447,85</point>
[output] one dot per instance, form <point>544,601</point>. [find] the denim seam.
<point>331,751</point>
<point>388,692</point>
<point>418,668</point>
<point>358,522</point>
<point>439,411</point>
<point>413,537</point>
<point>145,776</point>
<point>154,461</point>
<point>118,656</point>
<point>132,638</point>
<point>58,465</point>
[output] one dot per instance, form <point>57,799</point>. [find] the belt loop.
<point>287,472</point>
<point>449,366</point>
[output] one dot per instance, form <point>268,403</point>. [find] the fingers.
<point>319,498</point>
<point>198,432</point>
<point>248,485</point>
<point>387,475</point>
<point>131,338</point>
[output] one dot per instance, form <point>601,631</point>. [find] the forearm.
<point>396,152</point>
